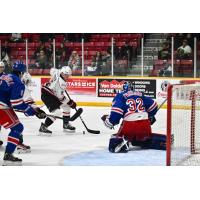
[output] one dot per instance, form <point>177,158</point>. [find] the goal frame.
<point>169,122</point>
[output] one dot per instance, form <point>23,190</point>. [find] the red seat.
<point>91,53</point>
<point>36,37</point>
<point>59,38</point>
<point>31,45</point>
<point>108,36</point>
<point>13,45</point>
<point>95,36</point>
<point>77,44</point>
<point>99,44</point>
<point>107,44</point>
<point>21,53</point>
<point>120,44</point>
<point>31,52</point>
<point>89,44</point>
<point>69,44</point>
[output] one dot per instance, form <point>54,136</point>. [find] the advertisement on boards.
<point>109,87</point>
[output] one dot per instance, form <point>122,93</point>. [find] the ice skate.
<point>69,128</point>
<point>22,148</point>
<point>10,160</point>
<point>44,131</point>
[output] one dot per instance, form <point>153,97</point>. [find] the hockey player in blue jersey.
<point>11,97</point>
<point>138,114</point>
<point>2,68</point>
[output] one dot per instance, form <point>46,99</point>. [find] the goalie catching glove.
<point>40,113</point>
<point>72,104</point>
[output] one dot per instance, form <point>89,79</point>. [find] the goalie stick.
<point>88,130</point>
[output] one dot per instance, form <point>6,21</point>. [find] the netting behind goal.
<point>183,125</point>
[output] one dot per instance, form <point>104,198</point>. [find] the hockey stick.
<point>75,116</point>
<point>88,130</point>
<point>162,104</point>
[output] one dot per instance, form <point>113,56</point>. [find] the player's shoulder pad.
<point>7,78</point>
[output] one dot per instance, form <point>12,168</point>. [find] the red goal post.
<point>183,124</point>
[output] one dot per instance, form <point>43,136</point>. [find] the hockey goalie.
<point>138,114</point>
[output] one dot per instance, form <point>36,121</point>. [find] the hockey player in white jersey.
<point>53,96</point>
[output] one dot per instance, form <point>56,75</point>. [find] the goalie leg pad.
<point>118,145</point>
<point>158,142</point>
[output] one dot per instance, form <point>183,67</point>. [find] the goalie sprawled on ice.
<point>137,112</point>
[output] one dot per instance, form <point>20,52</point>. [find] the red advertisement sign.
<point>84,86</point>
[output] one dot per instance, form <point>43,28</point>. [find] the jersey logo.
<point>135,105</point>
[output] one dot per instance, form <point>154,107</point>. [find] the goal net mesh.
<point>183,125</point>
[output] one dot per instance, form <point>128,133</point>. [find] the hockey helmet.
<point>19,66</point>
<point>66,70</point>
<point>2,64</point>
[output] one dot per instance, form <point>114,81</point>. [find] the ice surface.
<point>80,149</point>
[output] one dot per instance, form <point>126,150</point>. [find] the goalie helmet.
<point>26,78</point>
<point>127,85</point>
<point>66,70</point>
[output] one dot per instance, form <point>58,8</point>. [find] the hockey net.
<point>183,125</point>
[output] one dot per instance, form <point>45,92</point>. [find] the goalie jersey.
<point>11,92</point>
<point>131,106</point>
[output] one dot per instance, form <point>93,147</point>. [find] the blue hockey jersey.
<point>11,92</point>
<point>131,106</point>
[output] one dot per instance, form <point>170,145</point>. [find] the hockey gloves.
<point>72,104</point>
<point>40,113</point>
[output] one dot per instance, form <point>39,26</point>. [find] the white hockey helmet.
<point>26,78</point>
<point>66,70</point>
<point>2,64</point>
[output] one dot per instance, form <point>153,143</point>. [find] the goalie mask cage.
<point>183,124</point>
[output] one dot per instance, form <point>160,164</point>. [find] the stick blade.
<point>93,131</point>
<point>77,114</point>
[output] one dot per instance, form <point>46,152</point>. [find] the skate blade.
<point>44,134</point>
<point>10,163</point>
<point>22,151</point>
<point>69,131</point>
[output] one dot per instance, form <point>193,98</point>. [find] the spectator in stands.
<point>61,55</point>
<point>74,61</point>
<point>5,58</point>
<point>5,47</point>
<point>165,52</point>
<point>42,61</point>
<point>37,51</point>
<point>127,51</point>
<point>106,66</point>
<point>97,63</point>
<point>16,37</point>
<point>184,51</point>
<point>49,52</point>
